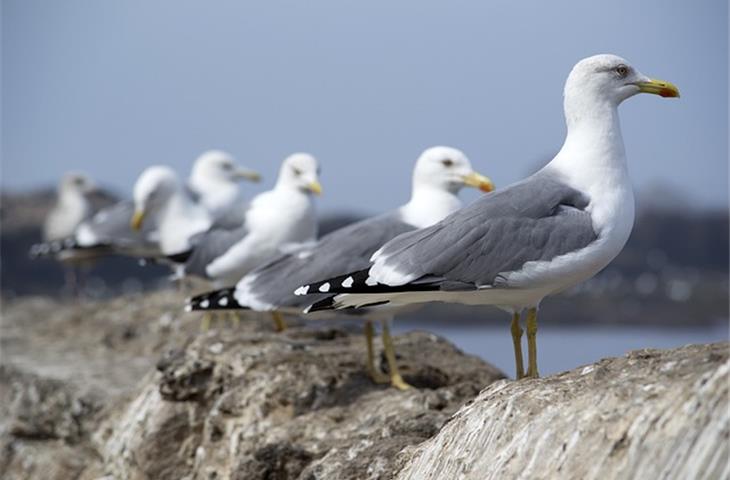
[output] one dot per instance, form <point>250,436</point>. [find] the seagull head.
<point>612,79</point>
<point>447,168</point>
<point>218,166</point>
<point>153,189</point>
<point>76,183</point>
<point>300,171</point>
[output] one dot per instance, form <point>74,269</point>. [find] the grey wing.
<point>233,218</point>
<point>346,249</point>
<point>111,227</point>
<point>537,219</point>
<point>210,245</point>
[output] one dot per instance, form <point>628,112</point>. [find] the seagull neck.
<point>593,153</point>
<point>70,196</point>
<point>217,195</point>
<point>71,199</point>
<point>179,220</point>
<point>286,187</point>
<point>428,205</point>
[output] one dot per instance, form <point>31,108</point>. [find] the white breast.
<point>275,220</point>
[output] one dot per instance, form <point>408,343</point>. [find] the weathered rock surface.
<point>130,389</point>
<point>141,394</point>
<point>649,415</point>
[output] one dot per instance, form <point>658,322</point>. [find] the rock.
<point>107,389</point>
<point>651,414</point>
<point>297,405</point>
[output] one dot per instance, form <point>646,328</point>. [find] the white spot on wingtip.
<point>188,308</point>
<point>347,283</point>
<point>301,290</point>
<point>325,287</point>
<point>370,282</point>
<point>204,303</point>
<point>223,302</point>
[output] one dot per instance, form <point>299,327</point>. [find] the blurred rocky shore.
<point>128,388</point>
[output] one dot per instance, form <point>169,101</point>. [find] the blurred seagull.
<point>213,184</point>
<point>161,199</point>
<point>439,174</point>
<point>535,238</point>
<point>279,219</point>
<point>72,207</point>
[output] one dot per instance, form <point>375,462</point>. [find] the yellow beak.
<point>479,181</point>
<point>137,219</point>
<point>250,175</point>
<point>315,188</point>
<point>658,87</point>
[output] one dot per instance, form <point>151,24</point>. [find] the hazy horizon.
<point>109,88</point>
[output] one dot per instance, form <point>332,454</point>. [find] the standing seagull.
<point>535,238</point>
<point>279,220</point>
<point>161,199</point>
<point>439,174</point>
<point>214,179</point>
<point>71,209</point>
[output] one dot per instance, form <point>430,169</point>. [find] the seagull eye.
<point>227,166</point>
<point>448,162</point>
<point>296,171</point>
<point>622,71</point>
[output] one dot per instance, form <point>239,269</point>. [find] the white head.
<point>219,166</point>
<point>446,168</point>
<point>75,183</point>
<point>607,80</point>
<point>152,190</point>
<point>300,171</point>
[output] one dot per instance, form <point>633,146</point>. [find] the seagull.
<point>160,198</point>
<point>279,220</point>
<point>439,174</point>
<point>535,238</point>
<point>214,179</point>
<point>213,184</point>
<point>72,206</point>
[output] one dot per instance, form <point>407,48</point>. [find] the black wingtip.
<point>53,247</point>
<point>223,299</point>
<point>181,257</point>
<point>322,305</point>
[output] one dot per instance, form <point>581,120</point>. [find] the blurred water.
<point>563,348</point>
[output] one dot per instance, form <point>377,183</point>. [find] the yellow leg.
<point>532,343</point>
<point>234,317</point>
<point>279,323</point>
<point>205,322</point>
<point>395,379</point>
<point>375,374</point>
<point>517,344</point>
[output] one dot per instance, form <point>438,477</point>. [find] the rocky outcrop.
<point>650,415</point>
<point>161,400</point>
<point>130,389</point>
<point>264,405</point>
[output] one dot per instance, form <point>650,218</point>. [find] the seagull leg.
<point>375,374</point>
<point>517,344</point>
<point>395,379</point>
<point>205,322</point>
<point>532,343</point>
<point>279,323</point>
<point>234,318</point>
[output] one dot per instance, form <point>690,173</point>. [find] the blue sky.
<point>111,87</point>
